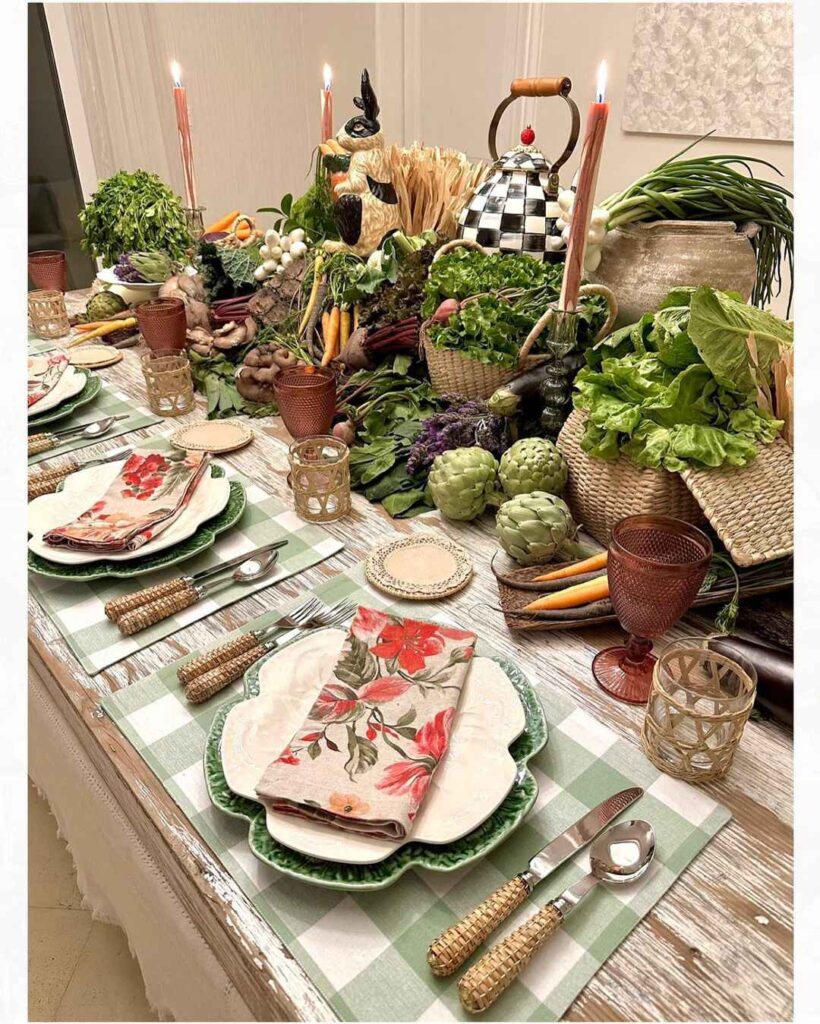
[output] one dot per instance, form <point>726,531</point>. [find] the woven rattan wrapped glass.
<point>320,478</point>
<point>656,567</point>
<point>306,399</point>
<point>47,312</point>
<point>168,382</point>
<point>697,710</point>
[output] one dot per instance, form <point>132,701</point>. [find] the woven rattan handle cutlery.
<point>458,942</point>
<point>119,606</point>
<point>47,482</point>
<point>147,614</point>
<point>496,970</point>
<point>218,656</point>
<point>38,443</point>
<point>209,683</point>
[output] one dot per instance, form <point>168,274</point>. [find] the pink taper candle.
<point>184,131</point>
<point>585,194</point>
<point>327,104</point>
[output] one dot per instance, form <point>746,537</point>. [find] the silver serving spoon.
<point>618,856</point>
<point>91,429</point>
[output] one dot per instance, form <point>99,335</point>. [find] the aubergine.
<point>506,400</point>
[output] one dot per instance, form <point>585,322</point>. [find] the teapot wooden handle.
<point>540,86</point>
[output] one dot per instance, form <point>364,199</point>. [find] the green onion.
<point>712,188</point>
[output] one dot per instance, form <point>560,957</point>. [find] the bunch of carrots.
<point>595,589</point>
<point>337,322</point>
<point>99,328</point>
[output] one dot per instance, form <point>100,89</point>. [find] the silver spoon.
<point>618,856</point>
<point>253,568</point>
<point>91,429</point>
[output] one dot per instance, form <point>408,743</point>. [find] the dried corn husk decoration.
<point>783,372</point>
<point>432,185</point>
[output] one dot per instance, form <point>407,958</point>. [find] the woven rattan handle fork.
<point>48,481</point>
<point>117,607</point>
<point>38,443</point>
<point>202,687</point>
<point>218,656</point>
<point>458,942</point>
<point>496,970</point>
<point>155,611</point>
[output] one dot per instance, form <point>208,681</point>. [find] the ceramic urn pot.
<point>643,262</point>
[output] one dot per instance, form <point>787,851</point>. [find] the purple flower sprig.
<point>464,424</point>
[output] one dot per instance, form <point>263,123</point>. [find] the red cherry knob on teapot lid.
<point>527,136</point>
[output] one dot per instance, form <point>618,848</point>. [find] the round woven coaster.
<point>95,356</point>
<point>423,568</point>
<point>213,437</point>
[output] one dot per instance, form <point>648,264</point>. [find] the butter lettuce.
<point>679,388</point>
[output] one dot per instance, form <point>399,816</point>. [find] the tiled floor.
<point>79,969</point>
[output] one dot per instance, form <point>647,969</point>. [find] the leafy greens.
<point>680,388</point>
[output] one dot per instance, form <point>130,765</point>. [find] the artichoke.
<point>532,464</point>
<point>143,267</point>
<point>533,528</point>
<point>105,304</point>
<point>462,481</point>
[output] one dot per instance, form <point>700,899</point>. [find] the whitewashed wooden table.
<point>718,946</point>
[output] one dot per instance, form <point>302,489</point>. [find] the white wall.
<point>253,73</point>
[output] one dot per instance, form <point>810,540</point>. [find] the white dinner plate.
<point>473,779</point>
<point>107,276</point>
<point>84,487</point>
<point>71,383</point>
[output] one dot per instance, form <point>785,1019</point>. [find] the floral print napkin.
<point>44,373</point>
<point>148,494</point>
<point>365,756</point>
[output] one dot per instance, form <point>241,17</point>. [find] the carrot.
<point>345,329</point>
<point>91,325</point>
<point>107,328</point>
<point>576,569</point>
<point>243,228</point>
<point>314,291</point>
<point>325,326</point>
<point>356,317</point>
<point>332,335</point>
<point>224,223</point>
<point>571,597</point>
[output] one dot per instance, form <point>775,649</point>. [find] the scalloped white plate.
<point>489,717</point>
<point>71,383</point>
<point>84,487</point>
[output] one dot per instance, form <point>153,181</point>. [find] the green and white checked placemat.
<point>37,345</point>
<point>366,951</point>
<point>77,607</point>
<point>109,402</point>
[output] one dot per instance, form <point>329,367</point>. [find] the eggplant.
<point>775,673</point>
<point>506,400</point>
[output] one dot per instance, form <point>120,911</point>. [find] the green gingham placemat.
<point>109,402</point>
<point>366,951</point>
<point>38,345</point>
<point>77,607</point>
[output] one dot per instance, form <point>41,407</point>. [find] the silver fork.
<point>206,675</point>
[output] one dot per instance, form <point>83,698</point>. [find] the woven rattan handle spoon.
<point>619,855</point>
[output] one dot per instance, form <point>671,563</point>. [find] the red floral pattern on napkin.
<point>365,756</point>
<point>42,382</point>
<point>148,494</point>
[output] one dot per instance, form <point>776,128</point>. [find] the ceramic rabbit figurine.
<point>367,207</point>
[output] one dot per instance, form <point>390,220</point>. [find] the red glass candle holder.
<point>48,269</point>
<point>656,567</point>
<point>306,399</point>
<point>162,324</point>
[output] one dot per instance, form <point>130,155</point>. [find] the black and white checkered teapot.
<point>515,208</point>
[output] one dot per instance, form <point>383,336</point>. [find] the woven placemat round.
<point>422,568</point>
<point>95,356</point>
<point>213,437</point>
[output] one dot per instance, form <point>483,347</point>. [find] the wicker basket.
<point>451,372</point>
<point>600,493</point>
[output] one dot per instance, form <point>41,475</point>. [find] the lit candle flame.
<point>327,71</point>
<point>176,74</point>
<point>600,89</point>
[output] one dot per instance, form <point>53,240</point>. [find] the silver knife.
<point>458,942</point>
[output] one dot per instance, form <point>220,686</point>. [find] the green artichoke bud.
<point>153,266</point>
<point>532,464</point>
<point>533,528</point>
<point>105,304</point>
<point>504,403</point>
<point>462,482</point>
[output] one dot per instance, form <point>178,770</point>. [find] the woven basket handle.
<point>458,942</point>
<point>541,324</point>
<point>459,243</point>
<point>496,970</point>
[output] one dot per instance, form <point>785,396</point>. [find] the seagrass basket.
<point>600,493</point>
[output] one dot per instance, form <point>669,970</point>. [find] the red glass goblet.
<point>656,567</point>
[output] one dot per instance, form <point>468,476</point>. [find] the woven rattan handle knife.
<point>457,943</point>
